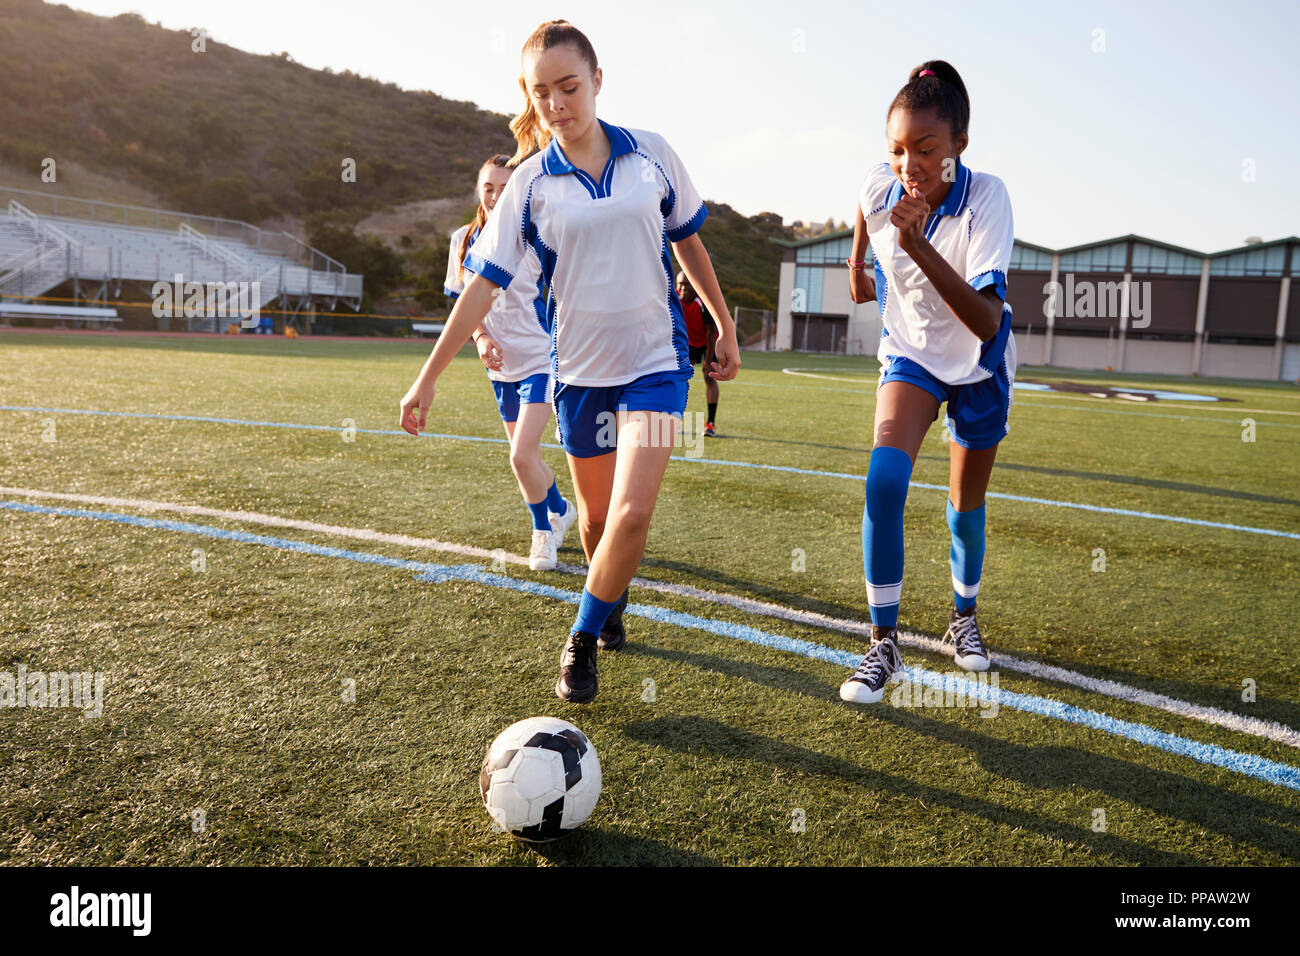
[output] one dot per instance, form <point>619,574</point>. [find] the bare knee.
<point>523,461</point>
<point>592,523</point>
<point>634,517</point>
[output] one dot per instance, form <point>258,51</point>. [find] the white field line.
<point>1267,730</point>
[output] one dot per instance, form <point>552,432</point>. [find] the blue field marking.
<point>1251,765</point>
<point>788,469</point>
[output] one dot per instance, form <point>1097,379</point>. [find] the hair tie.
<point>927,73</point>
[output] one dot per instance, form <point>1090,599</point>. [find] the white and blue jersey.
<point>517,319</point>
<point>972,229</point>
<point>611,308</point>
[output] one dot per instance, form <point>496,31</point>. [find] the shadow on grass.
<point>1261,823</point>
<point>703,577</point>
<point>1227,698</point>
<point>592,846</point>
<point>1182,486</point>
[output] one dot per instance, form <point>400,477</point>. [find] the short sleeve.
<point>499,250</point>
<point>874,195</point>
<point>684,211</point>
<point>452,286</point>
<point>992,233</point>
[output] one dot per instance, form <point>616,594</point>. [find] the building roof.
<point>824,237</point>
<point>841,233</point>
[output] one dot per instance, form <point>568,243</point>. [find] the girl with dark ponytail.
<point>941,238</point>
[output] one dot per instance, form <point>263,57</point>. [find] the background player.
<point>514,346</point>
<point>702,337</point>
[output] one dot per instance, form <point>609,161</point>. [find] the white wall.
<point>1237,361</point>
<point>1171,358</point>
<point>784,324</point>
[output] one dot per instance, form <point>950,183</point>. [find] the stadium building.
<point>1129,304</point>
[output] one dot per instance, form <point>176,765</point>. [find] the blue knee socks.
<point>882,532</point>
<point>967,555</point>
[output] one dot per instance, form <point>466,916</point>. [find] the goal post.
<point>755,328</point>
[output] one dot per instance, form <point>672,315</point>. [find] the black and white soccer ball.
<point>540,779</point>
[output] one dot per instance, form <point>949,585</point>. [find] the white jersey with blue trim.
<point>517,319</point>
<point>972,229</point>
<point>612,308</point>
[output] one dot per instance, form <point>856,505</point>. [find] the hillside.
<point>131,113</point>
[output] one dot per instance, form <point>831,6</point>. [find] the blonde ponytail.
<point>527,128</point>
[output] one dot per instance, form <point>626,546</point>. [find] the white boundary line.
<point>1267,730</point>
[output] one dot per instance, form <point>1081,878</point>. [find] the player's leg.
<point>907,402</point>
<point>644,438</point>
<point>977,420</point>
<point>593,483</point>
<point>536,481</point>
<point>710,385</point>
<point>541,555</point>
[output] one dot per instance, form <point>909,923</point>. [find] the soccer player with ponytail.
<point>941,237</point>
<point>598,205</point>
<point>514,347</point>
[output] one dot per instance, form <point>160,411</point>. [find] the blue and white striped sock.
<point>882,532</point>
<point>967,554</point>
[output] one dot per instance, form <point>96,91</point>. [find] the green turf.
<point>225,687</point>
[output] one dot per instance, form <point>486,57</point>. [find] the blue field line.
<point>788,469</point>
<point>1251,765</point>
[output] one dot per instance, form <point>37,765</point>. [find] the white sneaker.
<point>541,556</point>
<point>562,523</point>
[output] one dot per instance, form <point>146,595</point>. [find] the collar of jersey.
<point>555,163</point>
<point>953,204</point>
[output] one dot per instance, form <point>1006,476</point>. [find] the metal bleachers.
<point>47,240</point>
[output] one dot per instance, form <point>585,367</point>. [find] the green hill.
<point>262,139</point>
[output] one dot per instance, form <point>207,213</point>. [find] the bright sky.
<point>1175,120</point>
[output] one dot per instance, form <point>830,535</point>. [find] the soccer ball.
<point>540,779</point>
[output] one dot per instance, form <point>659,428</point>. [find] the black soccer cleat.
<point>612,635</point>
<point>577,683</point>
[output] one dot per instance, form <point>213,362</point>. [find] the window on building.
<point>807,293</point>
<point>1031,260</point>
<point>830,251</point>
<point>1157,260</point>
<point>1250,262</point>
<point>1107,258</point>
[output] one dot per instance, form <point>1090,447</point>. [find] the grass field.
<point>224,684</point>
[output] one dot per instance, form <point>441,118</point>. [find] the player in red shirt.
<point>701,334</point>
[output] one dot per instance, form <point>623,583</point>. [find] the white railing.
<point>193,237</point>
<point>18,284</point>
<point>53,245</point>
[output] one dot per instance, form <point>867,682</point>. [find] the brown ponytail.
<point>480,214</point>
<point>527,128</point>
